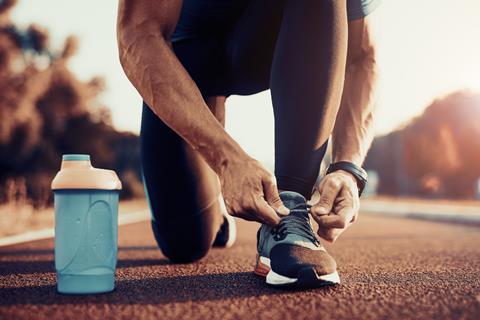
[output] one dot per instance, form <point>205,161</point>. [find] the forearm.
<point>353,131</point>
<point>152,67</point>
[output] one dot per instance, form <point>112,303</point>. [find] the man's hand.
<point>250,191</point>
<point>338,206</point>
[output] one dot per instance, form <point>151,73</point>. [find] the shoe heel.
<point>261,268</point>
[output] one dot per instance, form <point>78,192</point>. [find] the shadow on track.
<point>29,252</point>
<point>46,266</point>
<point>161,290</point>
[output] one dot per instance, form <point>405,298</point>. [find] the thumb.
<point>272,197</point>
<point>266,213</point>
<point>328,194</point>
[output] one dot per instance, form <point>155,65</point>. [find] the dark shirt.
<point>210,17</point>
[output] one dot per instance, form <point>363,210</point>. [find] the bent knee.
<point>180,248</point>
<point>185,254</point>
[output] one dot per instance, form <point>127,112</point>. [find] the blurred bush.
<point>436,155</point>
<point>45,111</point>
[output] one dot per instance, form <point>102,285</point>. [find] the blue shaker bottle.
<point>86,217</point>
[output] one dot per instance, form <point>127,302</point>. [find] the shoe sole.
<point>306,278</point>
<point>232,226</point>
<point>232,231</point>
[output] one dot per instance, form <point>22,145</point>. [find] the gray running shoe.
<point>290,255</point>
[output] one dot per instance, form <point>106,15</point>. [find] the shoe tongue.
<point>298,221</point>
<point>292,199</point>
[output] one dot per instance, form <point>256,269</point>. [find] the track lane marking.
<point>123,219</point>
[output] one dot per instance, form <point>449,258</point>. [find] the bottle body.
<point>86,226</point>
<point>86,237</point>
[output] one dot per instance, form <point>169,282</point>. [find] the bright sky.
<point>427,49</point>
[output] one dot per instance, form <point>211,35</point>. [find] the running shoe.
<point>290,255</point>
<point>227,234</point>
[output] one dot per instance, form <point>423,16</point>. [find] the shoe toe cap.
<point>288,260</point>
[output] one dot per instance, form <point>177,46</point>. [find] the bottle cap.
<point>77,172</point>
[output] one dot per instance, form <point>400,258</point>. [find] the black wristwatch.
<point>358,172</point>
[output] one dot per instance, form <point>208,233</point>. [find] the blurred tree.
<point>45,111</point>
<point>436,154</point>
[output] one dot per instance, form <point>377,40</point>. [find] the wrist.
<point>358,173</point>
<point>348,175</point>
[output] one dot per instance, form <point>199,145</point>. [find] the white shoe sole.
<point>232,225</point>
<point>307,277</point>
<point>232,231</point>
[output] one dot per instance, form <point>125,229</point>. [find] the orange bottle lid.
<point>77,172</point>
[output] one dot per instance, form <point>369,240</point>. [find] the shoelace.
<point>294,224</point>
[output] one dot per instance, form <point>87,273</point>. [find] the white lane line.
<point>123,219</point>
<point>470,216</point>
<point>133,217</point>
<point>27,236</point>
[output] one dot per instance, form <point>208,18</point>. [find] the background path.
<point>391,268</point>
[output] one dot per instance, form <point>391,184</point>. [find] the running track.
<point>391,268</point>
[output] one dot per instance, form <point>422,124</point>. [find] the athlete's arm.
<point>353,131</point>
<point>352,135</point>
<point>144,28</point>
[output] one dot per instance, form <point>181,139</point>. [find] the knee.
<point>181,247</point>
<point>185,254</point>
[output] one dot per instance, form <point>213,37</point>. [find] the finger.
<point>328,193</point>
<point>329,235</point>
<point>355,217</point>
<point>348,214</point>
<point>265,213</point>
<point>356,209</point>
<point>340,220</point>
<point>247,215</point>
<point>331,221</point>
<point>242,214</point>
<point>272,197</point>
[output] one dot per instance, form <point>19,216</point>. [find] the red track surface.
<point>390,268</point>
